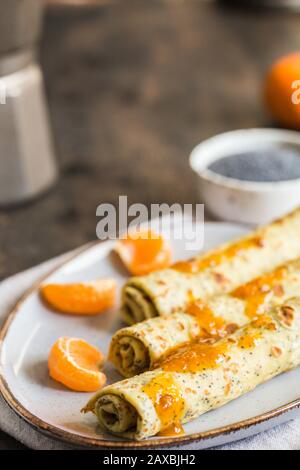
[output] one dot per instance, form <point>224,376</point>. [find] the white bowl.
<point>244,201</point>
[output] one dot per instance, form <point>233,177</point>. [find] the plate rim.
<point>83,441</point>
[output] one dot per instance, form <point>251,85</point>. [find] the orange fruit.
<point>280,88</point>
<point>143,252</point>
<point>76,364</point>
<point>89,298</point>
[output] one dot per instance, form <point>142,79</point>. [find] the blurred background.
<point>131,87</point>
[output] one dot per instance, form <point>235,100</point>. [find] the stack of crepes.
<point>198,350</point>
<point>138,348</point>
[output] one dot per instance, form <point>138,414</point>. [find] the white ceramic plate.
<point>31,329</point>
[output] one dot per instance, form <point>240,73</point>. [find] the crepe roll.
<point>135,349</point>
<point>197,377</point>
<point>218,271</point>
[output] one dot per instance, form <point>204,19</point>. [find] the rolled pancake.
<point>216,272</point>
<point>137,348</point>
<point>199,377</point>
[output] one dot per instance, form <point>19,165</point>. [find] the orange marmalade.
<point>194,357</point>
<point>253,333</point>
<point>256,291</point>
<point>175,429</point>
<point>263,321</point>
<point>213,260</point>
<point>209,324</point>
<point>168,403</point>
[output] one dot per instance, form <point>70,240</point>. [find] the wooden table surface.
<point>132,87</point>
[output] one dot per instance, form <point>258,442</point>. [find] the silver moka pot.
<point>27,165</point>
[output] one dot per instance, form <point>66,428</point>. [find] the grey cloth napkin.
<point>285,436</point>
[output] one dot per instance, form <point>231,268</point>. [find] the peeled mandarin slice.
<point>143,252</point>
<point>89,298</point>
<point>76,364</point>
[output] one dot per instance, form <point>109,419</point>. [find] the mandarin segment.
<point>143,252</point>
<point>90,298</point>
<point>76,364</point>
